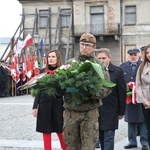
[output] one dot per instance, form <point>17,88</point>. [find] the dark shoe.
<point>138,133</point>
<point>145,147</point>
<point>97,145</point>
<point>130,146</point>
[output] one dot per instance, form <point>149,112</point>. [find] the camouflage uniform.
<point>81,121</point>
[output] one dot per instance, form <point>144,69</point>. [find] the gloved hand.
<point>60,92</point>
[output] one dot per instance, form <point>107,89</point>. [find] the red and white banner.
<point>28,41</point>
<point>15,73</point>
<point>32,81</point>
<point>131,98</point>
<point>29,67</point>
<point>44,62</point>
<point>132,86</point>
<point>36,69</point>
<point>24,67</point>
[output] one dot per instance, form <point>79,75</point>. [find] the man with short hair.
<point>81,120</point>
<point>113,107</point>
<point>133,113</point>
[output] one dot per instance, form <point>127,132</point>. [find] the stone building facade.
<point>117,24</point>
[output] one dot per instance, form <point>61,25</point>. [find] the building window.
<point>97,19</point>
<point>65,17</point>
<point>130,15</point>
<point>43,18</point>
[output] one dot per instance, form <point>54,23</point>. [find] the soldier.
<point>81,121</point>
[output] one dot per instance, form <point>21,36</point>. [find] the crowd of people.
<point>92,124</point>
<point>8,86</point>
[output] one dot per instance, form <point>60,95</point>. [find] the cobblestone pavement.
<point>17,124</point>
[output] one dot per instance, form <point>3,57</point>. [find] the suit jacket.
<point>133,112</point>
<point>114,104</point>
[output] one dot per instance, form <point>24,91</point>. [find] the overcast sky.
<point>10,18</point>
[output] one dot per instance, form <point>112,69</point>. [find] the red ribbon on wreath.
<point>131,93</point>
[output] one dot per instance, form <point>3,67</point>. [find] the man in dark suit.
<point>133,114</point>
<point>113,107</point>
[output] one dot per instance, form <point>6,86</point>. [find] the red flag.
<point>132,86</point>
<point>132,97</point>
<point>15,73</point>
<point>24,68</point>
<point>28,41</point>
<point>44,62</point>
<point>29,68</point>
<point>36,69</point>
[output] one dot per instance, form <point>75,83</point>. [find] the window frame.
<point>43,16</point>
<point>132,14</point>
<point>94,14</point>
<point>65,17</point>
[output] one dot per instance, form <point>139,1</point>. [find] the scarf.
<point>85,57</point>
<point>51,69</point>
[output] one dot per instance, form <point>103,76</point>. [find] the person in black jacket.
<point>113,107</point>
<point>3,80</point>
<point>48,109</point>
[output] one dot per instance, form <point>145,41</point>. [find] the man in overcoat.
<point>4,79</point>
<point>133,114</point>
<point>113,107</point>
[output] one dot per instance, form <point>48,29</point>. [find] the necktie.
<point>133,67</point>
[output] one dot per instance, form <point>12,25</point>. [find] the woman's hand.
<point>35,112</point>
<point>146,105</point>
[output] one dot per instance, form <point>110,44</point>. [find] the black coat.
<point>114,104</point>
<point>4,77</point>
<point>133,112</point>
<point>3,81</point>
<point>50,113</point>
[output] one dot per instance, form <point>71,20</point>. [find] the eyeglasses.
<point>86,45</point>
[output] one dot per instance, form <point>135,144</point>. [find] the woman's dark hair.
<point>144,60</point>
<point>58,55</point>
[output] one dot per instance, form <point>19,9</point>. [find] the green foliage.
<point>129,89</point>
<point>87,76</point>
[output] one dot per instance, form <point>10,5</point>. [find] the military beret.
<point>87,37</point>
<point>133,50</point>
<point>143,48</point>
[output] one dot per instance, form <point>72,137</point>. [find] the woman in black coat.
<point>48,109</point>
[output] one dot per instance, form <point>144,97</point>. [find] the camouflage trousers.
<point>81,129</point>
